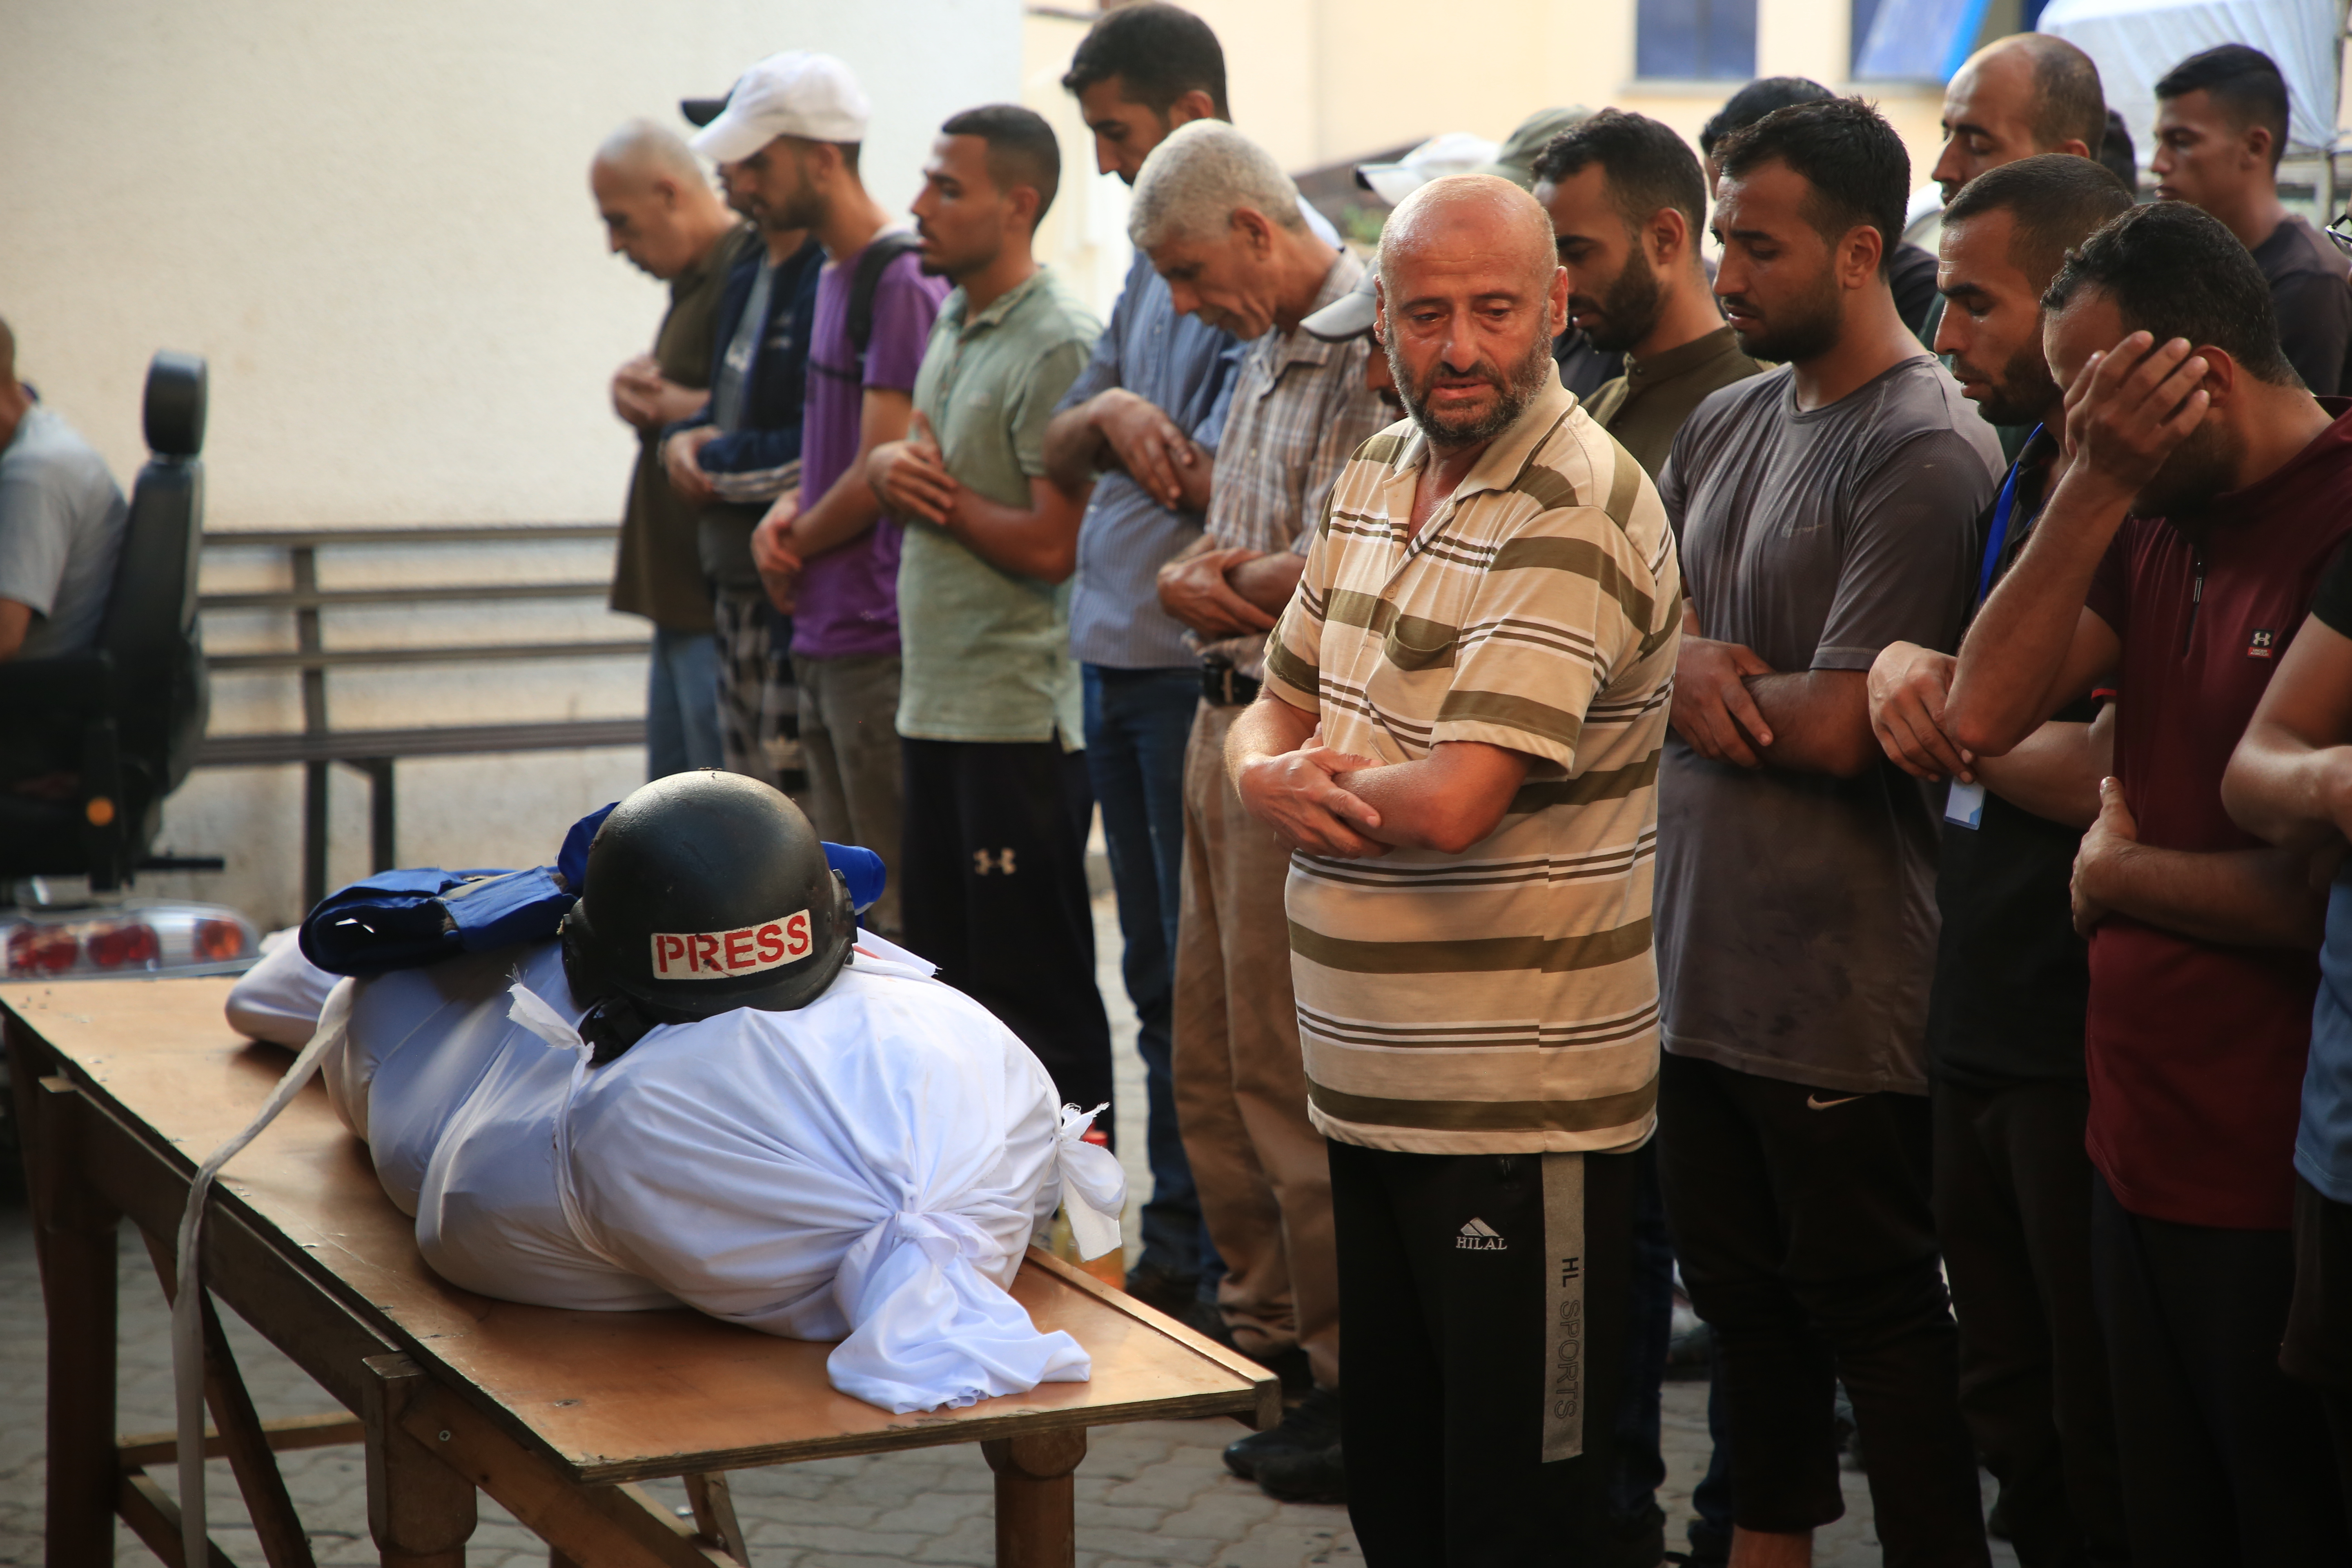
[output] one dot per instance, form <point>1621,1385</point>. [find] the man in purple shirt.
<point>827,554</point>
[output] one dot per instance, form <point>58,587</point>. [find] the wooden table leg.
<point>714,1523</point>
<point>75,1235</point>
<point>420,1510</point>
<point>1035,1498</point>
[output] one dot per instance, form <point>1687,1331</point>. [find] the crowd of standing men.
<point>1579,799</point>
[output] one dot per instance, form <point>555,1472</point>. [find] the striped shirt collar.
<point>1498,467</point>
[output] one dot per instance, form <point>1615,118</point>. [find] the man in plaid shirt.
<point>1221,223</point>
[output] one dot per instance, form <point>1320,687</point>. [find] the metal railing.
<point>319,744</point>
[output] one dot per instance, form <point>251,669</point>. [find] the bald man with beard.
<point>1458,737</point>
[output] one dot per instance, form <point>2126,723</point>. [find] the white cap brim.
<point>733,137</point>
<point>1395,181</point>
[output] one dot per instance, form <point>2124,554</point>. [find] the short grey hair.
<point>1196,180</point>
<point>641,146</point>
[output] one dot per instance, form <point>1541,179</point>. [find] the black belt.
<point>1225,687</point>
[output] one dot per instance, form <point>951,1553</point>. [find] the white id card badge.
<point>1965,805</point>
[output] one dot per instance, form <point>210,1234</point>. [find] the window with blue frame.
<point>1695,40</point>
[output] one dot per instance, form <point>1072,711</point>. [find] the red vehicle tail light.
<point>121,946</point>
<point>42,949</point>
<point>219,940</point>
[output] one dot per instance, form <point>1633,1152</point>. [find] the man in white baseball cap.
<point>786,142</point>
<point>797,93</point>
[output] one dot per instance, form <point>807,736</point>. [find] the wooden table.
<point>122,1087</point>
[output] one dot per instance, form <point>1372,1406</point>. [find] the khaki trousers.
<point>1241,1087</point>
<point>856,785</point>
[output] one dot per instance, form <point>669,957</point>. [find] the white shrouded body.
<point>868,1168</point>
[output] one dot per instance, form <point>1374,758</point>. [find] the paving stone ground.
<point>1150,1494</point>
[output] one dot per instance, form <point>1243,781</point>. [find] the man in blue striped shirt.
<point>1141,415</point>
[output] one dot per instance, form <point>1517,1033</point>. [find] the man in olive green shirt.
<point>998,802</point>
<point>661,212</point>
<point>1627,204</point>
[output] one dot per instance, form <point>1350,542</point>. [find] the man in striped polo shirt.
<point>1459,737</point>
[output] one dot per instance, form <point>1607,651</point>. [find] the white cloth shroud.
<point>868,1169</point>
<point>279,998</point>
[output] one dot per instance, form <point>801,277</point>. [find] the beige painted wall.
<point>1319,81</point>
<point>1086,234</point>
<point>1312,80</point>
<point>375,221</point>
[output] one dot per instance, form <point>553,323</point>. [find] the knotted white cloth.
<point>868,1169</point>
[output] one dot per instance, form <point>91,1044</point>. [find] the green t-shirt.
<point>986,652</point>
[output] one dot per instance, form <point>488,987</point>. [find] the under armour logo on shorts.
<point>982,859</point>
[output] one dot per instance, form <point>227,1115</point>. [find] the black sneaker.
<point>1308,1427</point>
<point>1315,1475</point>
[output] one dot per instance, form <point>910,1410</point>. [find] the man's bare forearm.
<point>2282,787</point>
<point>1446,801</point>
<point>2238,898</point>
<point>2054,773</point>
<point>2012,665</point>
<point>1038,541</point>
<point>1266,728</point>
<point>1269,581</point>
<point>850,506</point>
<point>673,403</point>
<point>2290,780</point>
<point>1074,450</point>
<point>1819,721</point>
<point>840,515</point>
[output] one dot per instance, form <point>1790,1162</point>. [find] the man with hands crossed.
<point>1824,509</point>
<point>1458,736</point>
<point>997,799</point>
<point>2176,556</point>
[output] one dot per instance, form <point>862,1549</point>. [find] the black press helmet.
<point>706,892</point>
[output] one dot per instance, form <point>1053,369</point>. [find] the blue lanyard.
<point>2000,512</point>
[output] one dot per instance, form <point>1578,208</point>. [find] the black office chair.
<point>125,717</point>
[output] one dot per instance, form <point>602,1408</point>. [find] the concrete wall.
<point>375,221</point>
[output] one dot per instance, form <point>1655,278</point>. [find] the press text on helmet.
<point>722,954</point>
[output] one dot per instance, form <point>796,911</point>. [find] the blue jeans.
<point>682,704</point>
<point>1137,721</point>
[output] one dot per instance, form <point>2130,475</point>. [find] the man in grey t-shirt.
<point>61,522</point>
<point>1824,509</point>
